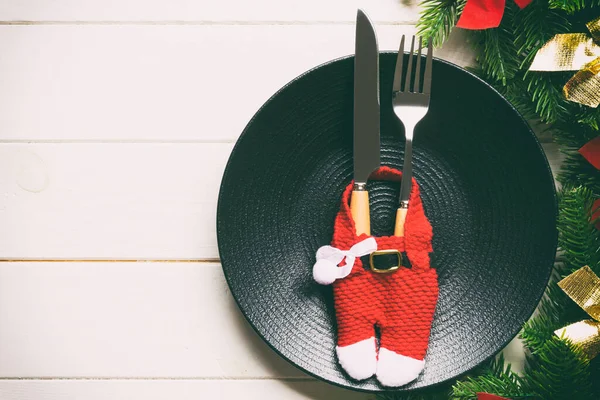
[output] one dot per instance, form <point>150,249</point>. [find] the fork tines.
<point>413,85</point>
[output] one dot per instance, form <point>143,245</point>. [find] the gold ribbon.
<point>583,286</point>
<point>574,52</point>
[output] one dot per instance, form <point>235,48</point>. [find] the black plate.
<point>486,186</point>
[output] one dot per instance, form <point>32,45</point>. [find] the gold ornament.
<point>583,286</point>
<point>574,52</point>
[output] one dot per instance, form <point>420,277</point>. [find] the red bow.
<point>591,152</point>
<point>483,14</point>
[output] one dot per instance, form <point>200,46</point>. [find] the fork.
<point>411,104</point>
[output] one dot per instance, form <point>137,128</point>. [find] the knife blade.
<point>366,119</point>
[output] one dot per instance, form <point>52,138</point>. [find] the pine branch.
<point>437,19</point>
<point>569,6</point>
<point>589,117</point>
<point>535,25</point>
<point>579,240</point>
<point>572,6</point>
<point>577,171</point>
<point>538,330</point>
<point>557,371</point>
<point>498,379</point>
<point>545,89</point>
<point>573,133</point>
<point>497,53</point>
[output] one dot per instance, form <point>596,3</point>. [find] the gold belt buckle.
<point>389,270</point>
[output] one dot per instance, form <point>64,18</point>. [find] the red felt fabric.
<point>591,152</point>
<point>402,303</point>
<point>484,14</point>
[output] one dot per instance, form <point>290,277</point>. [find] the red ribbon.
<point>484,14</point>
<point>487,396</point>
<point>591,152</point>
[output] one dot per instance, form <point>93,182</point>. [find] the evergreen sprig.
<point>547,96</point>
<point>498,379</point>
<point>499,58</point>
<point>557,371</point>
<point>534,26</point>
<point>572,6</point>
<point>437,19</point>
<point>578,171</point>
<point>579,240</point>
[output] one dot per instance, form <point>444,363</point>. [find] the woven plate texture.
<point>486,186</point>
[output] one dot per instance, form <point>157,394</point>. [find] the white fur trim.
<point>359,360</point>
<point>326,270</point>
<point>394,369</point>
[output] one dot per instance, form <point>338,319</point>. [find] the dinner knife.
<point>366,119</point>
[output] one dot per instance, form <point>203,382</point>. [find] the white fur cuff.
<point>394,369</point>
<point>359,360</point>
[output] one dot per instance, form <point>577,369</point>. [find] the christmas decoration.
<point>401,302</point>
<point>583,287</point>
<point>591,152</point>
<point>556,366</point>
<point>484,14</point>
<point>489,396</point>
<point>574,52</point>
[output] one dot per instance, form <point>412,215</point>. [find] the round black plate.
<point>487,190</point>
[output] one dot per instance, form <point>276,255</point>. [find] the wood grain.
<point>400,220</point>
<point>158,83</point>
<point>114,201</point>
<point>110,201</point>
<point>359,206</point>
<point>111,320</point>
<point>174,389</point>
<point>258,11</point>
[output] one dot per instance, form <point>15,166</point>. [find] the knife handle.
<point>359,206</point>
<point>400,219</point>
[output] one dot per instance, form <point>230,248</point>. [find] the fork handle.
<point>359,207</point>
<point>405,183</point>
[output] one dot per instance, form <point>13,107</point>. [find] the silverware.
<point>366,119</point>
<point>411,103</point>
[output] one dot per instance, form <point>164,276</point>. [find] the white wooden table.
<point>116,121</point>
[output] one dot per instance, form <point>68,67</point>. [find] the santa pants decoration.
<point>400,303</point>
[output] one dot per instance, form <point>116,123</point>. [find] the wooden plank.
<point>178,389</point>
<point>160,83</point>
<point>106,320</point>
<point>115,201</point>
<point>110,201</point>
<point>390,11</point>
<point>132,320</point>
